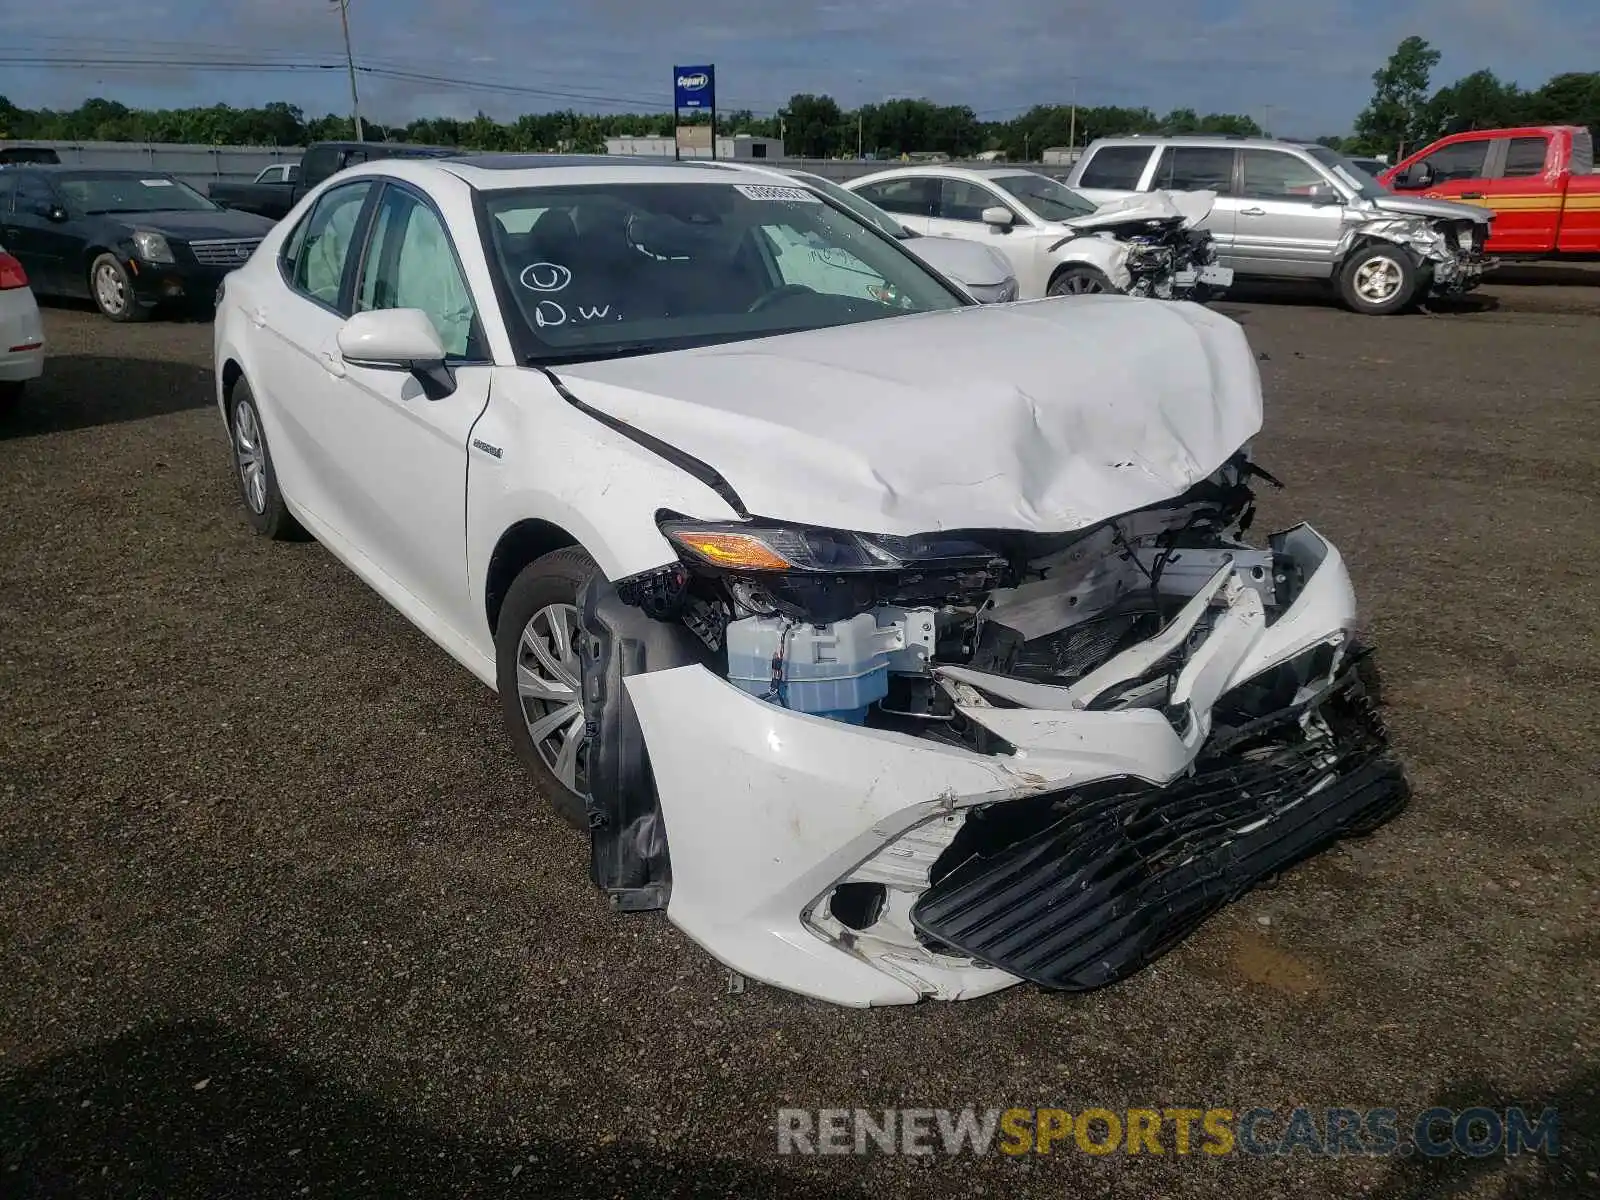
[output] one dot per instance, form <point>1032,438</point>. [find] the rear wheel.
<point>539,676</point>
<point>1080,281</point>
<point>1378,280</point>
<point>112,290</point>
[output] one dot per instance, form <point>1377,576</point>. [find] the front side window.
<point>1525,156</point>
<point>1275,175</point>
<point>963,200</point>
<point>1118,167</point>
<point>1459,160</point>
<point>94,195</point>
<point>1045,198</point>
<point>411,263</point>
<point>606,269</point>
<point>915,197</point>
<point>1195,169</point>
<point>323,243</point>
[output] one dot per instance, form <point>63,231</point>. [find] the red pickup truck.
<point>1540,182</point>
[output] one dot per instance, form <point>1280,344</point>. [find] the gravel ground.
<point>281,916</point>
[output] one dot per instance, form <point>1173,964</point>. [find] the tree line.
<point>1403,113</point>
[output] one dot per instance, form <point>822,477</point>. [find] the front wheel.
<point>113,290</point>
<point>539,675</point>
<point>1378,281</point>
<point>1080,281</point>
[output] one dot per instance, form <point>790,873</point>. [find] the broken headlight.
<point>825,575</point>
<point>740,546</point>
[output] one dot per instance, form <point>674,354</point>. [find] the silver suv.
<point>1291,211</point>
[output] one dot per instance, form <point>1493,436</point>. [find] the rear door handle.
<point>1472,195</point>
<point>1252,212</point>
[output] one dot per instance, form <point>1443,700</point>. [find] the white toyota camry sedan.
<point>896,645</point>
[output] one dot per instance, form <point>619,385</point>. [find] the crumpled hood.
<point>1046,416</point>
<point>1189,207</point>
<point>1419,206</point>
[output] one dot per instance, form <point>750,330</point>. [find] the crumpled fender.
<point>1414,233</point>
<point>1101,251</point>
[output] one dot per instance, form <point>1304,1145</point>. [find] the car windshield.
<point>1044,197</point>
<point>602,270</point>
<point>864,209</point>
<point>1349,173</point>
<point>95,194</point>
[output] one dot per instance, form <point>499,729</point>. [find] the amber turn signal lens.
<point>736,551</point>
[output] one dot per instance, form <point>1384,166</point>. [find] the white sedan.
<point>896,645</point>
<point>1059,242</point>
<point>982,270</point>
<point>21,330</point>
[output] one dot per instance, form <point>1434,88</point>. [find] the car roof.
<point>1204,140</point>
<point>493,172</point>
<point>948,171</point>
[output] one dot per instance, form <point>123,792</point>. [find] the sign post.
<point>694,89</point>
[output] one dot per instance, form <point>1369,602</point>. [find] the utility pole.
<point>1072,124</point>
<point>350,61</point>
<point>858,135</point>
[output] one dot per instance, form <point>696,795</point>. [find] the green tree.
<point>815,126</point>
<point>1476,101</point>
<point>1398,114</point>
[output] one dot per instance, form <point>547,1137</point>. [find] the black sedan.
<point>128,240</point>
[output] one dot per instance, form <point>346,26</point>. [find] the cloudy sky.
<point>1303,66</point>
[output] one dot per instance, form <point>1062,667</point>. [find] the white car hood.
<point>1046,416</point>
<point>970,263</point>
<point>1192,207</point>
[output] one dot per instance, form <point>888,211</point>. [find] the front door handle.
<point>1252,212</point>
<point>1472,195</point>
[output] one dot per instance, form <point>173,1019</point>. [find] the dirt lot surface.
<point>280,916</point>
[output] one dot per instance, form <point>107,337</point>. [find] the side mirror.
<point>998,217</point>
<point>1415,177</point>
<point>398,339</point>
<point>50,211</point>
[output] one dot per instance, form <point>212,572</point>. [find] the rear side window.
<point>1195,169</point>
<point>319,162</point>
<point>319,249</point>
<point>911,197</point>
<point>1115,167</point>
<point>1525,156</point>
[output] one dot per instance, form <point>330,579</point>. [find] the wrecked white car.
<point>898,646</point>
<point>1059,242</point>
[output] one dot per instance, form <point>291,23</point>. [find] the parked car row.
<point>898,646</point>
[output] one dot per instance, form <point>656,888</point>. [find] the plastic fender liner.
<point>628,854</point>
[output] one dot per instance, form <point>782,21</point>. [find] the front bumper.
<point>774,816</point>
<point>158,283</point>
<point>1460,272</point>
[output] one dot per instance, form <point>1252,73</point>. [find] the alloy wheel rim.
<point>1082,285</point>
<point>252,459</point>
<point>1378,280</point>
<point>109,289</point>
<point>548,688</point>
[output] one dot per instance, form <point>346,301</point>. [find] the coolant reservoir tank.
<point>836,671</point>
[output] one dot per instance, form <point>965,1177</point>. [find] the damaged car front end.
<point>1165,255</point>
<point>877,768</point>
<point>1447,247</point>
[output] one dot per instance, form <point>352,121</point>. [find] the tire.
<point>112,291</point>
<point>545,591</point>
<point>1378,281</point>
<point>1080,281</point>
<point>10,393</point>
<point>252,467</point>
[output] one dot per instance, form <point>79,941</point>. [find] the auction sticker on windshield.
<point>773,191</point>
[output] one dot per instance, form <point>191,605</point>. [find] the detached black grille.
<point>1094,886</point>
